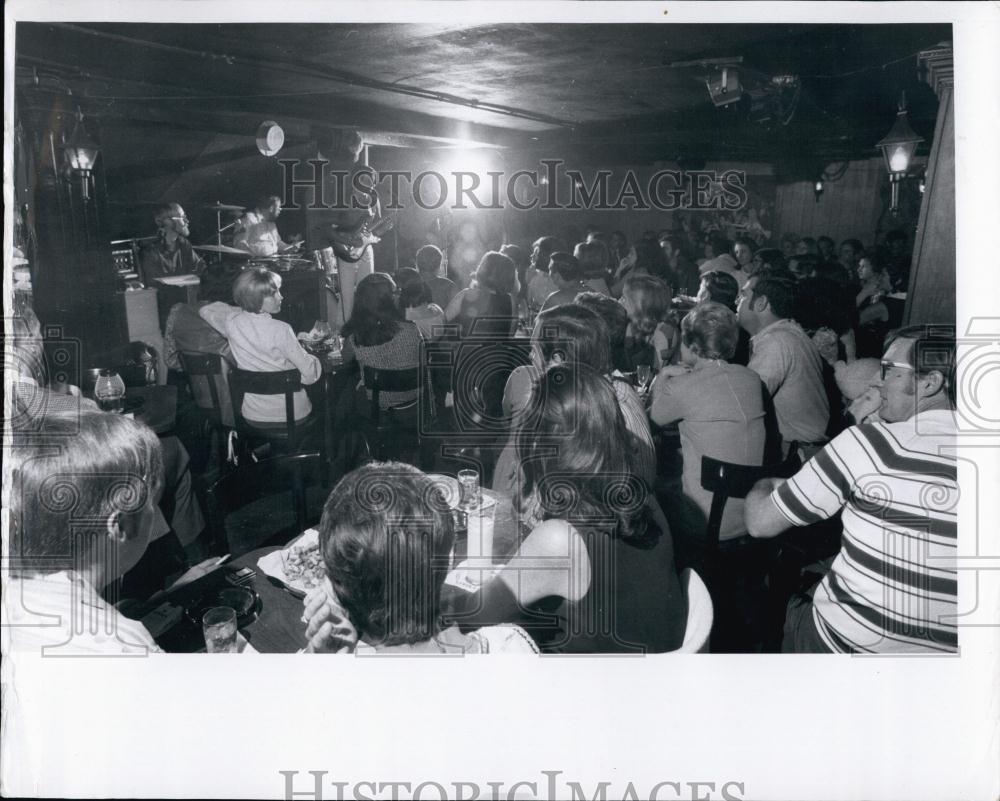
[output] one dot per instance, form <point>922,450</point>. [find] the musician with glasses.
<point>171,253</point>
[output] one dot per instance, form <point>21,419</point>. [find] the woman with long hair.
<point>595,574</point>
<point>379,337</point>
<point>647,301</point>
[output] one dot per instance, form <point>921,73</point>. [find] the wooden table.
<point>279,627</point>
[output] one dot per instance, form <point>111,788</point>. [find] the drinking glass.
<point>219,626</point>
<point>469,493</point>
<point>109,391</point>
<point>643,374</point>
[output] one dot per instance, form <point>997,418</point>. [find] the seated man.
<point>171,253</point>
<point>83,501</point>
<point>257,233</point>
<point>892,588</point>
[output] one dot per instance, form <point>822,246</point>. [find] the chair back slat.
<point>726,480</point>
<point>280,382</point>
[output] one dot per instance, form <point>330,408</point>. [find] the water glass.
<point>469,492</point>
<point>219,626</point>
<point>109,391</point>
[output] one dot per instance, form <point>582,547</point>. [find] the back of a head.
<point>610,311</point>
<point>770,257</point>
<point>517,255</point>
<point>66,484</point>
<point>543,248</point>
<point>574,333</point>
<point>721,287</point>
<point>253,285</point>
<point>385,536</point>
<point>412,289</point>
<point>593,257</point>
<point>496,273</point>
<point>710,331</point>
<point>573,464</point>
<point>375,316</point>
<point>650,298</point>
<point>565,266</point>
<point>429,260</point>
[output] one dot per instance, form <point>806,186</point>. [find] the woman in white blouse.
<point>261,343</point>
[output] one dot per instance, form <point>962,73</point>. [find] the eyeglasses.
<point>885,366</point>
<point>182,219</point>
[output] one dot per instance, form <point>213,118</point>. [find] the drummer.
<point>256,232</point>
<point>171,253</point>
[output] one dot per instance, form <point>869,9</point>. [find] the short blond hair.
<point>253,285</point>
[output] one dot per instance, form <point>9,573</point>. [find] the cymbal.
<point>223,207</point>
<point>224,249</point>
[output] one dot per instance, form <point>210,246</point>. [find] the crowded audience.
<point>630,369</point>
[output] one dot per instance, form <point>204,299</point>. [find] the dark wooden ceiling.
<point>604,90</point>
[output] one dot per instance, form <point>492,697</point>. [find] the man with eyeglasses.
<point>171,253</point>
<point>892,588</point>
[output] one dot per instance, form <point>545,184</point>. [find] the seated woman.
<point>486,314</point>
<point>417,304</point>
<point>573,333</point>
<point>595,574</point>
<point>111,470</point>
<point>386,537</point>
<point>488,308</point>
<point>567,276</point>
<point>720,287</point>
<point>379,337</point>
<point>262,344</point>
<point>647,301</point>
<point>720,408</point>
<point>594,259</point>
<point>873,314</point>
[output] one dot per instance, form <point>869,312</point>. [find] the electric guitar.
<point>350,243</point>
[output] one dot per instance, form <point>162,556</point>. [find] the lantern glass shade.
<point>81,157</point>
<point>900,145</point>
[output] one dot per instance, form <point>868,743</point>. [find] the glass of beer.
<point>109,391</point>
<point>219,626</point>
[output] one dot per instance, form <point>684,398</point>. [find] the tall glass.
<point>469,492</point>
<point>219,626</point>
<point>109,391</point>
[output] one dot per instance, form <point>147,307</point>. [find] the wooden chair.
<point>394,433</point>
<point>207,375</point>
<point>735,571</point>
<point>265,502</point>
<point>287,437</point>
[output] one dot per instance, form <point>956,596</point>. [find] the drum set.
<point>324,259</point>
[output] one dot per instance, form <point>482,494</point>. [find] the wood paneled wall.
<point>848,208</point>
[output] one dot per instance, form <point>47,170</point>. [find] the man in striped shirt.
<point>892,588</point>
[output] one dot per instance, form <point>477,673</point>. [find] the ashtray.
<point>243,600</point>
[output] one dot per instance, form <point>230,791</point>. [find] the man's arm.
<point>771,364</point>
<point>763,519</point>
<point>218,315</point>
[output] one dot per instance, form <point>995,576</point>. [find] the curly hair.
<point>386,535</point>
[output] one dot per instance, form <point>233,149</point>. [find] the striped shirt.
<point>893,586</point>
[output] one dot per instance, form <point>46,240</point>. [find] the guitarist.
<point>344,150</point>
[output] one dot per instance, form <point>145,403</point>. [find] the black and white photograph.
<point>638,361</point>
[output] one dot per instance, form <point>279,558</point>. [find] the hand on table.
<point>328,628</point>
